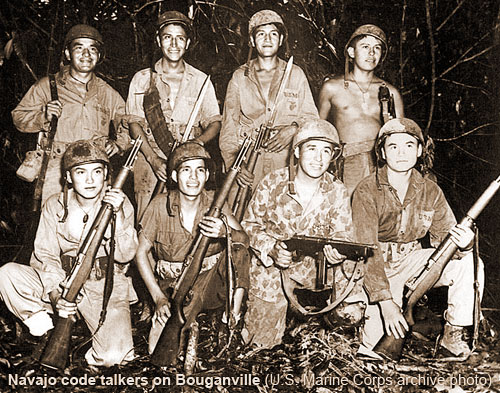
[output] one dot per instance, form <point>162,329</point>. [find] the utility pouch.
<point>31,166</point>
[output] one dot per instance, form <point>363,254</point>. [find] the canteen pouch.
<point>31,166</point>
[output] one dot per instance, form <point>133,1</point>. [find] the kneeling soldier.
<point>394,208</point>
<point>169,227</point>
<point>33,292</point>
<point>299,200</point>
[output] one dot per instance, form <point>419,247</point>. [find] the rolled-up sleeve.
<point>210,111</point>
<point>134,109</point>
<point>126,241</point>
<point>29,114</point>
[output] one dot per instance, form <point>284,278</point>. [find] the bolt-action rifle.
<point>242,196</point>
<point>167,348</point>
<point>392,347</point>
<point>56,352</point>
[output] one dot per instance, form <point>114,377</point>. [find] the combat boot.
<point>453,340</point>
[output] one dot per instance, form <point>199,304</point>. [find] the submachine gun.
<point>167,348</point>
<point>56,352</point>
<point>322,292</point>
<point>391,347</point>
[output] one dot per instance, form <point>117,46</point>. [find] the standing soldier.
<point>160,101</point>
<point>351,102</point>
<point>34,292</point>
<point>85,108</point>
<point>251,94</point>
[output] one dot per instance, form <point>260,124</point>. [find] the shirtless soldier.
<point>351,102</point>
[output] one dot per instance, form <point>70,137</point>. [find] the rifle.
<point>56,352</point>
<point>477,296</point>
<point>160,185</point>
<point>29,238</point>
<point>167,348</point>
<point>387,109</point>
<point>392,347</point>
<point>242,196</point>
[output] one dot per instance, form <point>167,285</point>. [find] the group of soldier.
<point>378,197</point>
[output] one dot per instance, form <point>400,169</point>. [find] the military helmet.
<point>318,129</point>
<point>83,31</point>
<point>174,17</point>
<point>83,152</point>
<point>398,126</point>
<point>372,30</point>
<point>265,17</point>
<point>189,150</point>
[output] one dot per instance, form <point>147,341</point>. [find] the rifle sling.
<point>288,289</point>
<point>108,283</point>
<point>53,97</point>
<point>156,119</point>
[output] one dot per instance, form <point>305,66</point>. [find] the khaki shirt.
<point>246,108</point>
<point>191,84</point>
<point>55,238</point>
<point>170,240</point>
<point>84,116</point>
<point>396,228</point>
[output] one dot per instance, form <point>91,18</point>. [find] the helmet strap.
<point>346,72</point>
<point>249,57</point>
<point>292,171</point>
<point>65,202</point>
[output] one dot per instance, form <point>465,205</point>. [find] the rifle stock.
<point>167,348</point>
<point>391,347</point>
<point>55,354</point>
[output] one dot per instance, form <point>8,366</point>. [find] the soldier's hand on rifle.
<point>53,108</point>
<point>159,166</point>
<point>115,197</point>
<point>282,257</point>
<point>281,139</point>
<point>212,227</point>
<point>162,311</point>
<point>394,320</point>
<point>332,255</point>
<point>61,305</point>
<point>111,148</point>
<point>244,177</point>
<point>462,236</point>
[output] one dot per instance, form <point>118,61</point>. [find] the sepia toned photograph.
<point>249,196</point>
